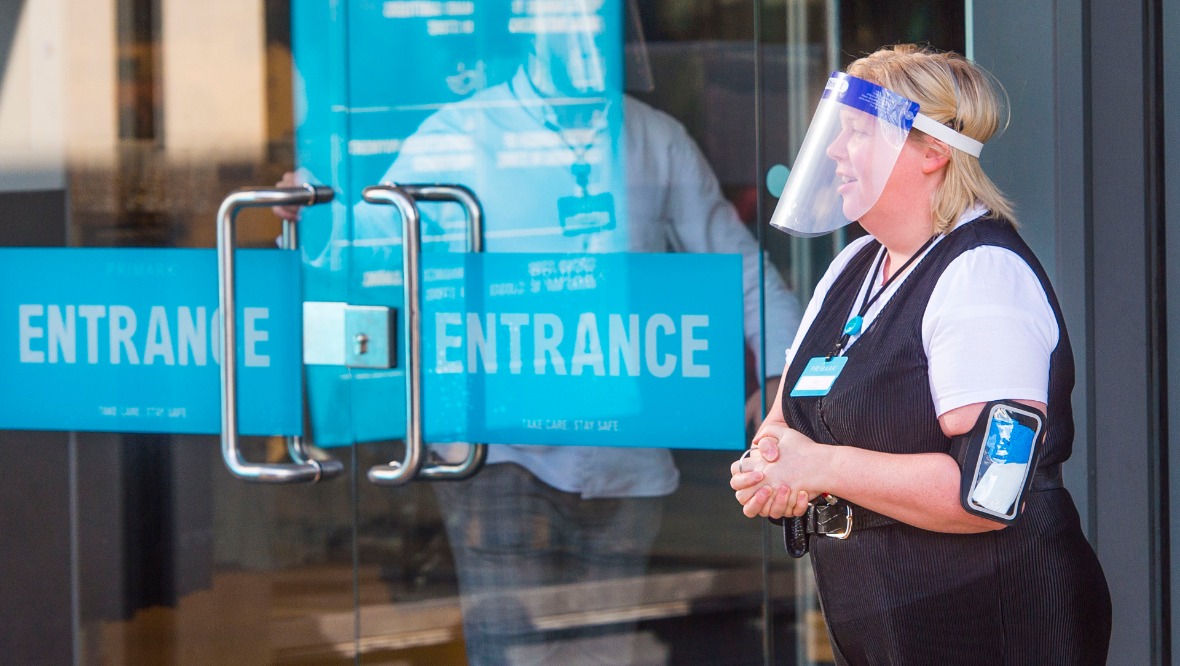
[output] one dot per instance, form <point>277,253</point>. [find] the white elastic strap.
<point>947,135</point>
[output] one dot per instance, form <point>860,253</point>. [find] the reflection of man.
<point>540,515</point>
<point>541,150</point>
<point>543,153</point>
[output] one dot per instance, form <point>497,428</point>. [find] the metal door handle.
<point>305,468</point>
<point>396,473</point>
<point>404,196</point>
<point>477,453</point>
<point>296,445</point>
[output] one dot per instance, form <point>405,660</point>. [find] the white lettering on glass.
<point>690,345</point>
<point>29,332</point>
<point>159,338</point>
<point>122,327</point>
<point>657,367</point>
<point>254,335</point>
<point>634,345</point>
<point>92,313</point>
<point>191,332</point>
<point>63,334</point>
<point>587,346</point>
<point>547,333</point>
<point>49,333</point>
<point>481,342</point>
<point>445,341</point>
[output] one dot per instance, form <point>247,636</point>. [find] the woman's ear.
<point>936,156</point>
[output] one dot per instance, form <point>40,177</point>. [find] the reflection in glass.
<point>552,544</point>
<point>161,107</point>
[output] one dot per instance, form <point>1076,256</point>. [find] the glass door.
<point>546,235</point>
<point>123,127</point>
<point>606,344</point>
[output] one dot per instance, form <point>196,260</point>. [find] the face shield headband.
<point>849,152</point>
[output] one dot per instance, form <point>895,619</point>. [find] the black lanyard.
<point>854,324</point>
<point>580,167</point>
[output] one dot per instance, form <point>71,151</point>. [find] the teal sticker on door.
<point>126,340</point>
<point>605,350</point>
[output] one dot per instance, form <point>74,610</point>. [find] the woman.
<point>941,309</point>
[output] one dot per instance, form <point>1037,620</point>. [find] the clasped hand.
<point>782,473</point>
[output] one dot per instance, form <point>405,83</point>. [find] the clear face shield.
<point>849,152</point>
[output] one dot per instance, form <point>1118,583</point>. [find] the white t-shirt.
<point>988,329</point>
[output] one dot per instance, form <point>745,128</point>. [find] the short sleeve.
<point>988,331</point>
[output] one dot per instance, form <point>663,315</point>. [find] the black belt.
<point>840,519</point>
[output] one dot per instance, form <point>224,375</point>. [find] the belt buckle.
<point>832,520</point>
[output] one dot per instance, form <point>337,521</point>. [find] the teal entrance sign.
<point>581,349</point>
<point>125,340</point>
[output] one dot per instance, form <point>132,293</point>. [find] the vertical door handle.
<point>476,453</point>
<point>404,197</point>
<point>305,468</point>
<point>296,445</point>
<point>397,473</point>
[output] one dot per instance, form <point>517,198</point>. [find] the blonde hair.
<point>959,94</point>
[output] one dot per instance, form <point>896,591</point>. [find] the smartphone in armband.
<point>998,459</point>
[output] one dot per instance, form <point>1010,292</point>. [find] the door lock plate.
<point>355,336</point>
<point>369,337</point>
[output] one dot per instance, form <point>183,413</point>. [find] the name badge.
<point>583,215</point>
<point>818,376</point>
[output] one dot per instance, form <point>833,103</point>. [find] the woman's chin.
<point>853,209</point>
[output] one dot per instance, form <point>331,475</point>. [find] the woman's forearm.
<point>921,489</point>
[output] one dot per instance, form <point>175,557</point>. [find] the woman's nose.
<point>835,149</point>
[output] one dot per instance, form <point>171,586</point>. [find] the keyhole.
<point>362,343</point>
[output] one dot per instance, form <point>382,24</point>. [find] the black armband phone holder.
<point>998,458</point>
